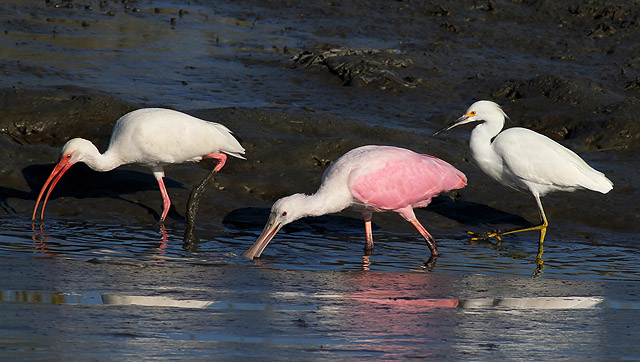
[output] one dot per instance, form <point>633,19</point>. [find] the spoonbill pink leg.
<point>431,242</point>
<point>368,247</point>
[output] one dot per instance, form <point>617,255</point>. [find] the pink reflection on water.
<point>40,238</point>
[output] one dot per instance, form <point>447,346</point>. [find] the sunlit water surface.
<point>301,250</point>
<point>140,291</point>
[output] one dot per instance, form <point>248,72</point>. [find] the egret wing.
<point>532,157</point>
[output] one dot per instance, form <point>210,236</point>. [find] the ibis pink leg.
<point>166,202</point>
<point>431,242</point>
<point>221,157</point>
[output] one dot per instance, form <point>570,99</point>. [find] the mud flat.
<point>287,152</point>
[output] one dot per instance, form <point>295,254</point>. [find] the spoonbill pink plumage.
<point>370,179</point>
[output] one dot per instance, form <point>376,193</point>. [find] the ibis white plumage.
<point>153,137</point>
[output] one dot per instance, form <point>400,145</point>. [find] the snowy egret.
<point>369,179</point>
<point>152,137</point>
<point>525,160</point>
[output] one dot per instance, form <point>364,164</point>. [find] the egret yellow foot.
<point>525,160</point>
<point>485,236</point>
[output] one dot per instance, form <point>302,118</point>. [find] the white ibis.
<point>153,137</point>
<point>369,179</point>
<point>525,160</point>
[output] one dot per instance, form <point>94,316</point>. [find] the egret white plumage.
<point>525,160</point>
<point>369,179</point>
<point>153,137</point>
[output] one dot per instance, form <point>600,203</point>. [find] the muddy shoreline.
<point>286,153</point>
<point>329,81</point>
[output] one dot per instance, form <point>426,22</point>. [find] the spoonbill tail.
<point>369,179</point>
<point>525,160</point>
<point>153,137</point>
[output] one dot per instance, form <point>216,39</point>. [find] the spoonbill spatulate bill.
<point>369,179</point>
<point>525,160</point>
<point>153,137</point>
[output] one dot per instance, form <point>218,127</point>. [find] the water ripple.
<point>394,252</point>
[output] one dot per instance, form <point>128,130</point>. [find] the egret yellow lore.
<point>525,160</point>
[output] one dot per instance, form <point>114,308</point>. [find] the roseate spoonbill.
<point>153,137</point>
<point>525,160</point>
<point>369,179</point>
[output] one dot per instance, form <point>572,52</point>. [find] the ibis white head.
<point>79,150</point>
<point>74,151</point>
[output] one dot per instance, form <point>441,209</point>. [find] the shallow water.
<point>302,250</point>
<point>136,292</point>
<point>104,304</point>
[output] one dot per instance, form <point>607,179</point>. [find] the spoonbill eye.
<point>284,213</point>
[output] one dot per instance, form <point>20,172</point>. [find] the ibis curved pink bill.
<point>153,137</point>
<point>369,179</point>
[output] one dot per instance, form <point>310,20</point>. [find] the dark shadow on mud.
<point>474,214</point>
<point>6,193</point>
<point>82,182</point>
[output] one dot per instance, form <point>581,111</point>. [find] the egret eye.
<point>284,213</point>
<point>472,113</point>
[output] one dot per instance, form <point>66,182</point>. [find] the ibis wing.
<point>158,136</point>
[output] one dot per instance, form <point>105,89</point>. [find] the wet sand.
<point>301,84</point>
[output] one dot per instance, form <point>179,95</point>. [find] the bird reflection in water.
<point>42,244</point>
<point>366,262</point>
<point>426,267</point>
<point>164,240</point>
<point>40,241</point>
